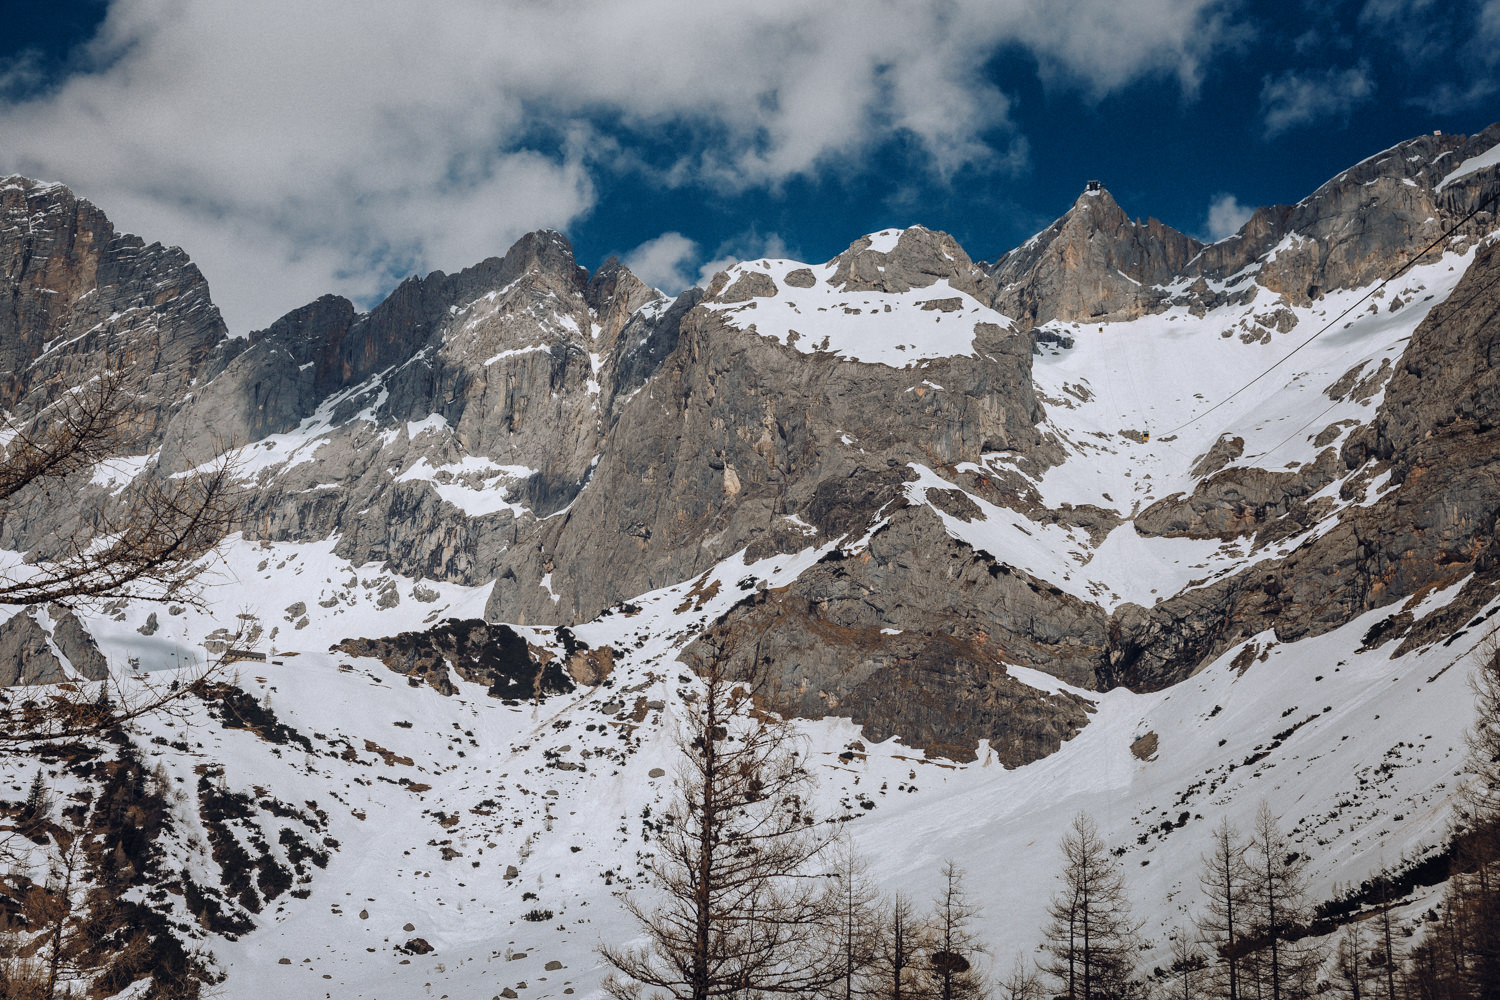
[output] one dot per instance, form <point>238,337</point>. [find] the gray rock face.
<point>736,433</point>
<point>1437,435</point>
<point>1094,263</point>
<point>920,258</point>
<point>911,636</point>
<point>77,297</point>
<point>450,417</point>
<point>25,657</point>
<point>78,645</point>
<point>1362,223</point>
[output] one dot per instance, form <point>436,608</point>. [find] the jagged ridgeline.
<point>577,440</point>
<point>493,526</point>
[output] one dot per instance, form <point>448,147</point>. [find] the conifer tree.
<point>38,801</point>
<point>1353,977</point>
<point>1386,958</point>
<point>1225,880</point>
<point>952,965</point>
<point>896,959</point>
<point>1474,891</point>
<point>1287,964</point>
<point>1186,976</point>
<point>1091,936</point>
<point>746,906</point>
<point>1022,982</point>
<point>854,927</point>
<point>66,877</point>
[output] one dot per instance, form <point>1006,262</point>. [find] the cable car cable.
<point>1329,325</point>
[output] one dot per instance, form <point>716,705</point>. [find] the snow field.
<point>531,786</point>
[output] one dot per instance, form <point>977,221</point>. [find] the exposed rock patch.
<point>25,656</point>
<point>77,645</point>
<point>492,655</point>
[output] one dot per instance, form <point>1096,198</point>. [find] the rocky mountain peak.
<point>547,254</point>
<point>615,295</point>
<point>1093,263</point>
<point>1100,206</point>
<point>77,296</point>
<point>1363,220</point>
<point>900,260</point>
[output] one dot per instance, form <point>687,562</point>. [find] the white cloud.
<point>672,262</point>
<point>1294,99</point>
<point>665,262</point>
<point>1487,33</point>
<point>1108,45</point>
<point>1225,216</point>
<point>295,147</point>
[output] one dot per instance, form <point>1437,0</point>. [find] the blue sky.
<point>295,148</point>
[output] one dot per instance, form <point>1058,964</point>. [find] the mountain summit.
<point>1094,263</point>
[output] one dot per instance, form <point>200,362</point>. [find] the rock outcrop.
<point>1092,265</point>
<point>1435,444</point>
<point>78,298</point>
<point>737,437</point>
<point>25,656</point>
<point>1361,224</point>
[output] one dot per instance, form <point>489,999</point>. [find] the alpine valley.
<point>1118,522</point>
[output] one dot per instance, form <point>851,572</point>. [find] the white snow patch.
<point>115,474</point>
<point>887,328</point>
<point>1483,161</point>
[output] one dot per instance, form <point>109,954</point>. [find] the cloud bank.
<point>1296,99</point>
<point>295,148</point>
<point>1225,217</point>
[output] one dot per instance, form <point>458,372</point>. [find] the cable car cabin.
<point>1092,187</point>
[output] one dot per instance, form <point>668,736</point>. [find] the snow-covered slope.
<point>457,817</point>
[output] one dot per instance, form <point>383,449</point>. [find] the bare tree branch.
<point>745,907</point>
<point>149,543</point>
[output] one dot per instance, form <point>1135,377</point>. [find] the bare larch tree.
<point>744,902</point>
<point>899,947</point>
<point>952,966</point>
<point>1286,965</point>
<point>1225,877</point>
<point>1091,937</point>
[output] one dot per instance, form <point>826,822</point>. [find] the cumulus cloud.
<point>665,262</point>
<point>1295,99</point>
<point>295,147</point>
<point>1225,216</point>
<point>1106,46</point>
<point>673,262</point>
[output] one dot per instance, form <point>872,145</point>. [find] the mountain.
<point>1117,521</point>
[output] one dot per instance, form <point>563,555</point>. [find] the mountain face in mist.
<point>954,502</point>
